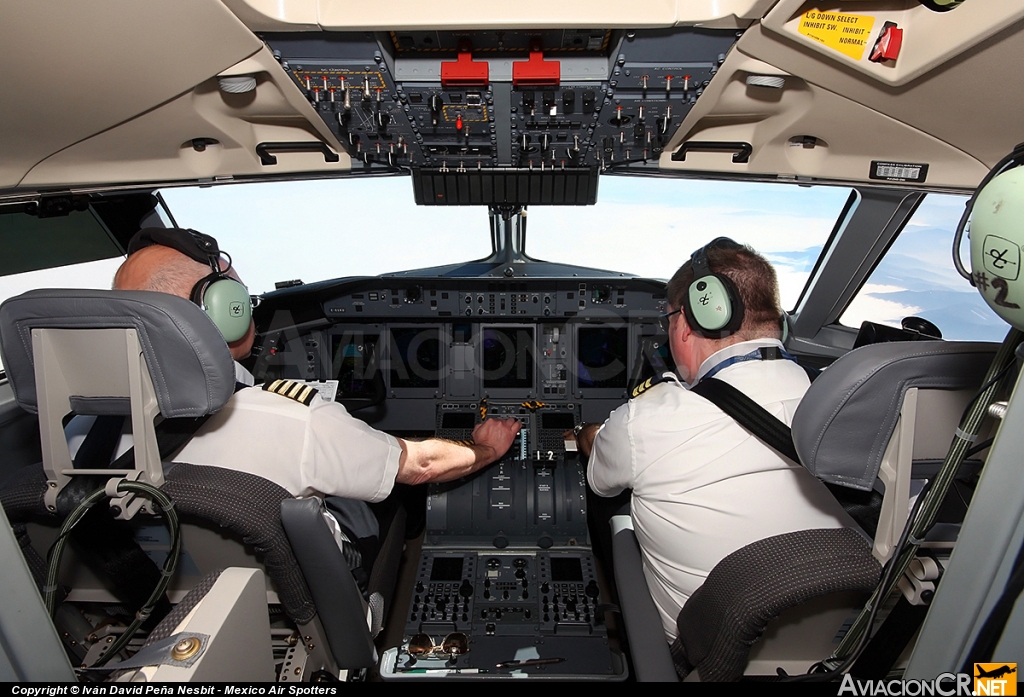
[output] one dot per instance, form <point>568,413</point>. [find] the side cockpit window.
<point>65,250</point>
<point>916,278</point>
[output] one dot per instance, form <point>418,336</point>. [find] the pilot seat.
<point>879,418</point>
<point>160,362</point>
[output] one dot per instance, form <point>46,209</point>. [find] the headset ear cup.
<point>227,303</point>
<point>713,307</point>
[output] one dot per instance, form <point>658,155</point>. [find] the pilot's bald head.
<point>165,270</point>
<point>160,269</point>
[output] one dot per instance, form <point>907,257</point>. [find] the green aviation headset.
<point>994,214</point>
<point>713,307</point>
<point>225,300</point>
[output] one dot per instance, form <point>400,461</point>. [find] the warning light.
<point>458,122</point>
<point>890,40</point>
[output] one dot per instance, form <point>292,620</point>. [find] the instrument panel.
<point>402,348</point>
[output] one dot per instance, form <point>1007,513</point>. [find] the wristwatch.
<point>578,428</point>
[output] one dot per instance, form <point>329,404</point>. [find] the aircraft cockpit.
<point>445,215</point>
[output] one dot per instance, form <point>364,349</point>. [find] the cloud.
<point>866,307</point>
<point>368,226</point>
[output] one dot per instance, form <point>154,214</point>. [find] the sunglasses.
<point>422,646</point>
<point>665,320</point>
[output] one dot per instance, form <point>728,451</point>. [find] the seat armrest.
<point>652,661</point>
<point>339,605</point>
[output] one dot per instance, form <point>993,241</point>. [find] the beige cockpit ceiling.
<point>116,92</point>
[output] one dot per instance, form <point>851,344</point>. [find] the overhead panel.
<point>459,102</point>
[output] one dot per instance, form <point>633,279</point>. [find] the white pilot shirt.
<point>316,450</point>
<point>703,487</point>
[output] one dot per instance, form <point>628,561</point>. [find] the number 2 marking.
<point>1000,285</point>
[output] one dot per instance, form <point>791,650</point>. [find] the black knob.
<point>545,588</point>
<point>591,590</point>
<point>382,119</point>
<point>520,573</point>
<point>545,142</point>
<point>466,589</point>
<point>419,586</point>
<point>524,141</point>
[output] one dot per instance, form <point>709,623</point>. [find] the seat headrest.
<point>189,362</point>
<point>844,422</point>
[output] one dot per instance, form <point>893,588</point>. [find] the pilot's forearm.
<point>436,460</point>
<point>585,439</point>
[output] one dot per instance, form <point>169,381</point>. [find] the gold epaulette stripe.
<point>642,387</point>
<point>303,394</point>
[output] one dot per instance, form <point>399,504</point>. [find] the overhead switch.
<point>568,101</point>
<point>435,108</point>
<point>890,40</point>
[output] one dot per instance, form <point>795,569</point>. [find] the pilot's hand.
<point>496,434</point>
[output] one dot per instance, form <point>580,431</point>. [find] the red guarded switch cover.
<point>465,72</point>
<point>887,48</point>
<point>536,72</point>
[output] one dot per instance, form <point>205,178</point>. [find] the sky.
<point>319,230</point>
<point>329,229</point>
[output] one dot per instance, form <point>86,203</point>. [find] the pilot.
<point>306,447</point>
<point>702,486</point>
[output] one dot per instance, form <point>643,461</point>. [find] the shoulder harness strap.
<point>750,415</point>
<point>301,393</point>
